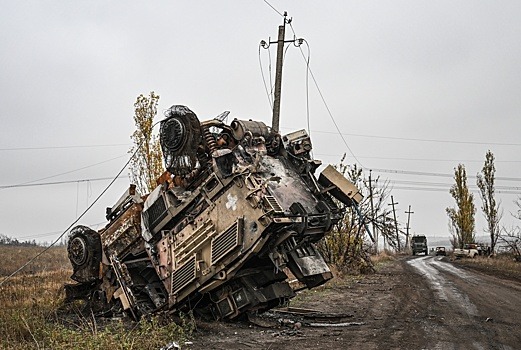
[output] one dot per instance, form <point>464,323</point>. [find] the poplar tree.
<point>461,217</point>
<point>147,164</point>
<point>491,211</point>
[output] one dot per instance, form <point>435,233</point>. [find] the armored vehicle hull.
<point>238,210</point>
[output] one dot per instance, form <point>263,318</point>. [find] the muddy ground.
<point>410,303</point>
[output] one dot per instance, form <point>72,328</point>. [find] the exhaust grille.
<point>273,204</point>
<point>183,275</point>
<point>226,241</point>
<point>156,213</point>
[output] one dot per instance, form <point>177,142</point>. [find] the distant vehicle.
<point>469,250</point>
<point>419,244</point>
<point>441,251</point>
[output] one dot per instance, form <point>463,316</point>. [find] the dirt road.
<point>411,303</point>
<point>474,311</point>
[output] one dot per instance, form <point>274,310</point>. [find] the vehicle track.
<point>474,311</point>
<point>410,303</point>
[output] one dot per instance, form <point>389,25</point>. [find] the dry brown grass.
<point>12,257</point>
<point>33,314</point>
<point>502,266</point>
<point>382,258</point>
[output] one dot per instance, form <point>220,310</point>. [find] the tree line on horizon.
<point>6,240</point>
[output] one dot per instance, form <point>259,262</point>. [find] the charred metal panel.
<point>308,266</point>
<point>340,187</point>
<point>128,198</point>
<point>122,234</point>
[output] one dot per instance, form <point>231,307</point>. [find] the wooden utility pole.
<point>409,212</point>
<point>395,222</point>
<point>373,217</point>
<point>278,69</point>
<point>278,77</point>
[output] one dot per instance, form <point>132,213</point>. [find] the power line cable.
<point>423,140</point>
<point>421,173</point>
<point>60,174</point>
<point>418,139</point>
<point>47,234</point>
<point>432,189</point>
<point>263,79</point>
<point>59,182</point>
<point>307,86</point>
<point>326,105</point>
<point>274,9</point>
<point>421,159</point>
<point>448,185</point>
<point>60,147</point>
<point>79,218</point>
<point>71,225</point>
<point>318,88</point>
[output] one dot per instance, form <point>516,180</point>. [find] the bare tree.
<point>491,210</point>
<point>512,237</point>
<point>461,218</point>
<point>348,245</point>
<point>147,164</point>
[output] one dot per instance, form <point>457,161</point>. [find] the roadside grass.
<point>33,314</point>
<point>501,265</point>
<point>381,259</point>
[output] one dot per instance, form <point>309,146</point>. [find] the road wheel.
<point>84,250</point>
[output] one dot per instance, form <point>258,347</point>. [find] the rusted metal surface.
<point>239,205</point>
<point>124,233</point>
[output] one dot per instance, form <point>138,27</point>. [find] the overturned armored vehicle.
<point>238,207</point>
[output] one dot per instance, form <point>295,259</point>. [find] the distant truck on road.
<point>419,244</point>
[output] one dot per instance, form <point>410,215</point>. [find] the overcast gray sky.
<point>415,86</point>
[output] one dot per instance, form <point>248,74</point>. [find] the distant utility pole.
<point>409,212</point>
<point>395,222</point>
<point>373,216</point>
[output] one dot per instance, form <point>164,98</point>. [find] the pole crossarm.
<point>278,71</point>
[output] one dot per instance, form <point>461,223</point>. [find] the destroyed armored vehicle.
<point>238,209</point>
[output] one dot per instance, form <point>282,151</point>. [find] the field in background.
<point>12,257</point>
<point>33,314</point>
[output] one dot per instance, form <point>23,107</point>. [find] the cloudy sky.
<point>415,87</point>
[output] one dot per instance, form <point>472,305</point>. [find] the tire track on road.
<point>460,323</point>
